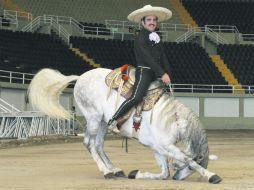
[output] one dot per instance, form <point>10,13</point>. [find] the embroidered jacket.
<point>150,53</point>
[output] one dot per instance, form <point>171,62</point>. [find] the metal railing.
<point>224,28</point>
<point>175,27</point>
<point>247,37</point>
<point>8,19</point>
<point>62,32</point>
<point>5,107</point>
<point>184,27</point>
<point>249,89</point>
<point>232,89</point>
<point>45,19</point>
<point>185,36</point>
<point>14,16</point>
<point>215,36</point>
<point>17,14</point>
<point>218,39</point>
<point>86,30</point>
<point>119,24</point>
<point>232,29</point>
<point>33,25</point>
<point>15,77</point>
<point>30,123</point>
<point>55,21</point>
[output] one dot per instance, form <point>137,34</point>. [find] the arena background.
<point>209,44</point>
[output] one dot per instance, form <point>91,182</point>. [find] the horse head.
<point>201,156</point>
<point>194,137</point>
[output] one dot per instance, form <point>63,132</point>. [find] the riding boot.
<point>112,126</point>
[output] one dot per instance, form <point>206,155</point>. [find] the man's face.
<point>150,23</point>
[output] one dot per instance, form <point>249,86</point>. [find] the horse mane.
<point>190,129</point>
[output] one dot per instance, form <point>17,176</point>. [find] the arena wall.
<point>216,111</point>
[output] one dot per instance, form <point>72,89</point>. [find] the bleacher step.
<point>85,57</point>
<point>227,74</point>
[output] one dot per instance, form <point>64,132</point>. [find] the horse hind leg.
<point>94,140</point>
<point>91,143</point>
<point>94,117</point>
<point>99,147</point>
<point>162,162</point>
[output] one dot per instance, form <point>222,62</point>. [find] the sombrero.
<point>160,12</point>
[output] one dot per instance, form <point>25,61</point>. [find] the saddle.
<point>117,80</point>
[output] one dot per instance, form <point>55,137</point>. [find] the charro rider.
<point>151,59</point>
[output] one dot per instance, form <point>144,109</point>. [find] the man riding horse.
<point>152,62</point>
<point>172,121</point>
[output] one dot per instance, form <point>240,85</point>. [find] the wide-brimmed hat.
<point>160,12</point>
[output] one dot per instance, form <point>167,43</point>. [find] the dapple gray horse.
<point>171,122</point>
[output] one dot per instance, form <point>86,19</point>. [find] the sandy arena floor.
<point>69,166</point>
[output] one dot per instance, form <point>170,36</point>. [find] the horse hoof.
<point>110,176</point>
<point>132,174</point>
<point>120,174</point>
<point>175,177</point>
<point>215,179</point>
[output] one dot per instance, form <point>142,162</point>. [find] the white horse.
<point>171,122</point>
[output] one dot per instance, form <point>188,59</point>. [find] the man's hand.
<point>165,78</point>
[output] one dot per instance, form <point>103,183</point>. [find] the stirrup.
<point>112,126</point>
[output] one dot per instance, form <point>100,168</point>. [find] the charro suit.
<point>152,63</point>
<point>151,54</point>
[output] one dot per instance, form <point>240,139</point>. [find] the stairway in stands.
<point>183,13</point>
<point>226,73</point>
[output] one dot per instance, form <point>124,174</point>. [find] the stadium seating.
<point>108,53</point>
<point>190,63</point>
<point>240,60</point>
<point>208,12</point>
<point>96,11</point>
<point>29,52</point>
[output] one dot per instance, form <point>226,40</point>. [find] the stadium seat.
<point>29,52</point>
<point>237,13</point>
<point>240,60</point>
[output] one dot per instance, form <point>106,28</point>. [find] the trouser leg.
<point>144,77</point>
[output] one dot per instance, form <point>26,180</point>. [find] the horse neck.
<point>194,136</point>
<point>196,139</point>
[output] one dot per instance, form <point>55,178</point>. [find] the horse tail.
<point>45,89</point>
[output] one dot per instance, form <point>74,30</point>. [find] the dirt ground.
<point>70,166</point>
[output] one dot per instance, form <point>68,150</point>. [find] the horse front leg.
<point>162,162</point>
<point>174,152</point>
